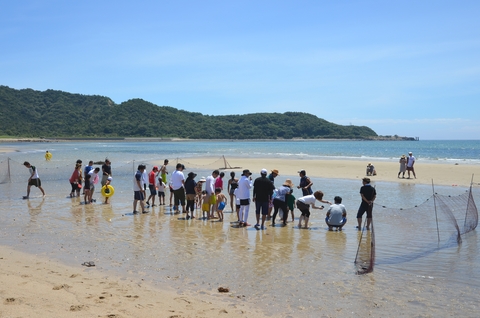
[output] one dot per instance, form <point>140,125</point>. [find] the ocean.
<point>284,271</point>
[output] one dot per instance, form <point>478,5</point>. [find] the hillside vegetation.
<point>51,113</point>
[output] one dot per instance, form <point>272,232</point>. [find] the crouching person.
<point>336,215</point>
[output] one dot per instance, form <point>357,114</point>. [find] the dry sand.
<point>32,286</point>
<point>453,174</point>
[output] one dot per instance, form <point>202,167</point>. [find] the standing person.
<point>138,190</point>
<point>178,187</point>
<point>190,185</point>
<point>86,189</point>
<point>243,193</point>
<point>106,171</point>
<point>163,171</point>
<point>88,168</point>
<point>403,166</point>
<point>210,197</point>
<point>262,194</point>
<point>368,194</point>
<point>161,191</point>
<point>291,204</point>
<point>304,203</point>
<point>48,156</point>
<point>305,183</point>
<point>280,201</point>
<point>219,181</point>
<point>107,183</point>
<point>198,192</point>
<point>33,180</point>
<point>152,185</point>
<point>336,215</point>
<point>410,163</point>
<point>274,173</point>
<point>221,203</point>
<point>74,180</point>
<point>93,181</point>
<point>231,186</point>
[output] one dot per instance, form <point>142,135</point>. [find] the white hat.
<point>264,171</point>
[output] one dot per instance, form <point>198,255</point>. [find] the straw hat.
<point>288,183</point>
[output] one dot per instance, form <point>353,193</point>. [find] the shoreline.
<point>453,174</point>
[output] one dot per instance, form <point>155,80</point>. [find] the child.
<point>205,206</point>
<point>198,193</point>
<point>221,202</point>
<point>107,183</point>
<point>291,204</point>
<point>161,191</point>
<point>86,189</point>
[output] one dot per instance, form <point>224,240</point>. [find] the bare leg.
<point>359,220</point>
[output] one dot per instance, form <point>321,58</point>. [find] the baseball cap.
<point>264,171</point>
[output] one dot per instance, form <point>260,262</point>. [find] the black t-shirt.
<point>368,192</point>
<point>262,189</point>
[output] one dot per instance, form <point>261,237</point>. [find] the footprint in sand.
<point>76,307</point>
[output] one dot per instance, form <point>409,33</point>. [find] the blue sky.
<point>410,68</point>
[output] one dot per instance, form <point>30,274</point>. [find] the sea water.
<point>282,271</point>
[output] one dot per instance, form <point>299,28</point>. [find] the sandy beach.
<point>33,286</point>
<point>449,174</point>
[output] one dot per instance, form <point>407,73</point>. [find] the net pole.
<point>435,207</point>
<point>468,205</point>
<point>8,166</point>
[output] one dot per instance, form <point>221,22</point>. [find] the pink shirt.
<point>219,183</point>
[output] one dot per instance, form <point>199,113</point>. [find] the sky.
<point>407,68</point>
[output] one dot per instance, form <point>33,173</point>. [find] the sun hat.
<point>367,180</point>
<point>246,171</point>
<point>288,183</point>
<point>202,179</point>
<point>275,171</point>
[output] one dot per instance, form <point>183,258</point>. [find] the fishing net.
<point>439,222</point>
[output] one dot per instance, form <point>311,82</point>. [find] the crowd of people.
<point>188,195</point>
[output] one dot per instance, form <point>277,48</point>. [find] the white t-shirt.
<point>336,214</point>
<point>243,190</point>
<point>210,185</point>
<point>94,176</point>
<point>410,161</point>
<point>177,179</point>
<point>308,199</point>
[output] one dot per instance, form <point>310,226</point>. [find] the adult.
<point>152,185</point>
<point>305,183</point>
<point>94,178</point>
<point>34,179</point>
<point>410,162</point>
<point>106,171</point>
<point>368,194</point>
<point>262,193</point>
<point>219,181</point>
<point>210,197</point>
<point>190,186</point>
<point>75,180</point>
<point>163,171</point>
<point>243,194</point>
<point>304,203</point>
<point>231,186</point>
<point>138,190</point>
<point>178,186</point>
<point>336,215</point>
<point>370,171</point>
<point>403,166</point>
<point>273,174</point>
<point>280,201</point>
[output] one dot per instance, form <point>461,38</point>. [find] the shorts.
<point>153,189</point>
<point>344,220</point>
<point>35,182</point>
<point>179,195</point>
<point>364,207</point>
<point>92,188</point>
<point>213,199</point>
<point>190,197</point>
<point>304,208</point>
<point>161,194</point>
<point>409,168</point>
<point>244,201</point>
<point>138,195</point>
<point>261,206</point>
<point>206,207</point>
<point>221,206</point>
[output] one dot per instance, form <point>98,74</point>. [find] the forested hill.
<point>30,113</point>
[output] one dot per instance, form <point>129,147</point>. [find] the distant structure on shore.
<point>395,137</point>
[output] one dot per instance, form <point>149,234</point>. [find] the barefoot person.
<point>33,180</point>
<point>410,162</point>
<point>304,203</point>
<point>336,215</point>
<point>262,194</point>
<point>368,194</point>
